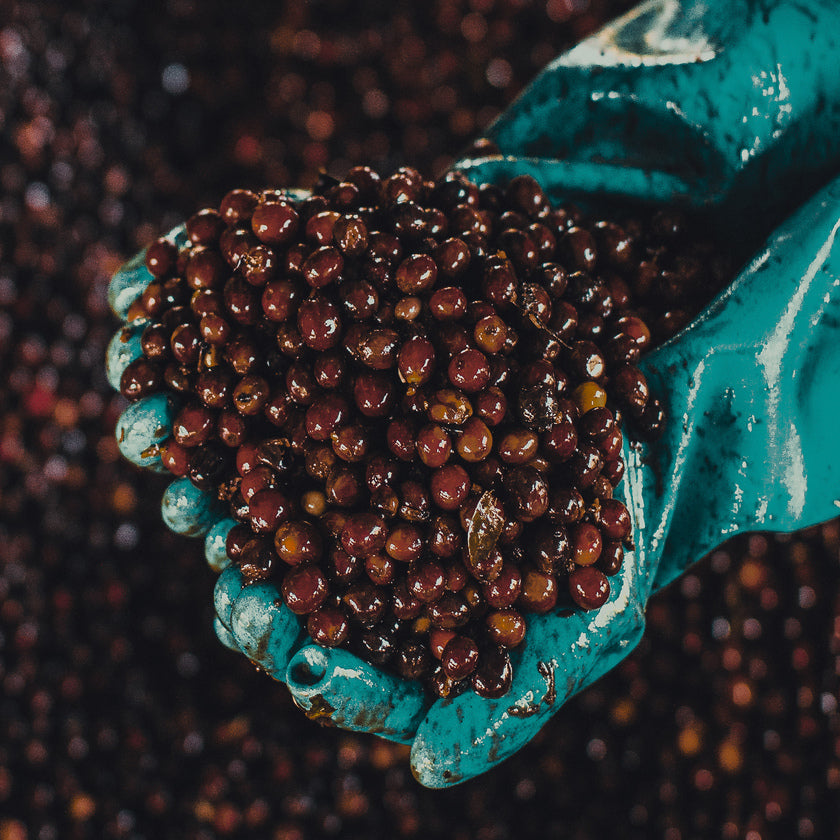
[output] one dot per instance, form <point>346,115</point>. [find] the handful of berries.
<point>412,395</point>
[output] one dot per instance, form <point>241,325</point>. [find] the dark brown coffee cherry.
<point>539,592</point>
<point>319,323</point>
<point>140,379</point>
<point>365,603</point>
<point>364,534</point>
<point>493,676</point>
<point>297,542</point>
<point>459,658</point>
<point>237,206</point>
<point>304,589</point>
<point>275,223</point>
<point>328,626</point>
<point>589,587</point>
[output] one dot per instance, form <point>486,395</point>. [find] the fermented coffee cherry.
<point>527,492</point>
<point>614,520</point>
<point>416,274</point>
<point>237,206</point>
<point>364,534</point>
<point>374,394</point>
<point>275,223</point>
<point>469,371</point>
<point>491,405</point>
<point>518,446</point>
<point>141,378</point>
<point>493,676</point>
<point>298,542</point>
<point>161,258</point>
<point>475,441</point>
<point>449,612</point>
<point>405,543</point>
<point>586,544</point>
<point>325,415</point>
<point>351,443</point>
<point>448,303</point>
<point>450,485</point>
<point>505,627</point>
<point>267,509</point>
<point>323,266</point>
<point>551,550</point>
<point>433,445</point>
<point>257,561</point>
<point>328,626</point>
<point>319,323</point>
<point>365,603</point>
<point>589,587</point>
<point>459,658</point>
<point>304,589</point>
<point>612,556</point>
<point>416,361</point>
<point>193,425</point>
<point>280,299</point>
<point>174,457</point>
<point>539,592</point>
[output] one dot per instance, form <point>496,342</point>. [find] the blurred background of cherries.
<point>120,714</point>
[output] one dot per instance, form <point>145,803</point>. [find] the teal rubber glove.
<point>743,444</point>
<point>732,106</point>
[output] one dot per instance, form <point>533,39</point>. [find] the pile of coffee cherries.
<point>411,395</point>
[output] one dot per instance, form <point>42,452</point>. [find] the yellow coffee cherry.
<point>589,395</point>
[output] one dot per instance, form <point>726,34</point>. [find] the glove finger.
<point>189,511</point>
<point>215,544</point>
<point>334,684</point>
<point>225,636</point>
<point>123,349</point>
<point>264,628</point>
<point>228,588</point>
<point>142,427</point>
<point>580,180</point>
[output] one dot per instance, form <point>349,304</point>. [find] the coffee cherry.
<point>614,520</point>
<point>304,589</point>
<point>493,676</point>
<point>539,592</point>
<point>319,323</point>
<point>328,626</point>
<point>140,379</point>
<point>267,509</point>
<point>298,542</point>
<point>589,587</point>
<point>505,628</point>
<point>459,658</point>
<point>275,223</point>
<point>416,361</point>
<point>450,485</point>
<point>586,544</point>
<point>364,534</point>
<point>161,258</point>
<point>426,581</point>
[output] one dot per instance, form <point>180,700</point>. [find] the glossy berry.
<point>589,587</point>
<point>304,589</point>
<point>459,658</point>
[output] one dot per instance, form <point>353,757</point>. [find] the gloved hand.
<point>748,386</point>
